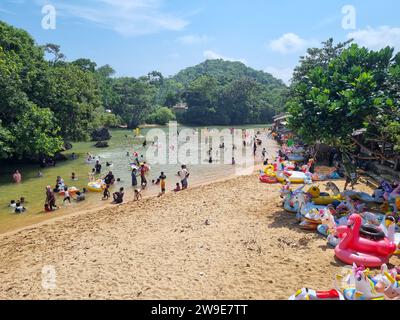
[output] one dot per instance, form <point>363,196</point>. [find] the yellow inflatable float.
<point>293,176</point>
<point>97,186</point>
<point>315,193</point>
<point>270,171</point>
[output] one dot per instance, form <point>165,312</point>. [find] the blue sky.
<point>138,36</point>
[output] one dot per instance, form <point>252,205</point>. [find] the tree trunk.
<point>378,154</point>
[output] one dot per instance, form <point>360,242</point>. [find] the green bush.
<point>161,116</point>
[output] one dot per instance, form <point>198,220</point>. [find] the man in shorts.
<point>184,175</point>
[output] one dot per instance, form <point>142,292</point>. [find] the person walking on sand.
<point>264,153</point>
<point>17,177</point>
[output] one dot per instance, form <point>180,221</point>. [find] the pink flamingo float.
<point>364,252</point>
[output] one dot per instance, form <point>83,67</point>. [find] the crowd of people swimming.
<point>101,178</point>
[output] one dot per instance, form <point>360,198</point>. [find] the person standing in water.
<point>143,179</point>
<point>17,177</point>
<point>98,167</point>
<point>67,196</point>
<point>184,175</point>
<point>134,177</point>
<point>50,199</point>
<point>162,178</point>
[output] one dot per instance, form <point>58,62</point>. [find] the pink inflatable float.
<point>361,251</point>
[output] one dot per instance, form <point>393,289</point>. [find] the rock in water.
<point>101,144</point>
<point>67,146</point>
<point>101,134</point>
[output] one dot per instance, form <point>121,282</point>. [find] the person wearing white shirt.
<point>184,174</point>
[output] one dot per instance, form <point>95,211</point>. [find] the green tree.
<point>85,65</point>
<point>161,116</point>
<point>332,100</point>
<point>202,98</point>
<point>36,134</point>
<point>6,143</point>
<point>73,96</point>
<point>134,100</point>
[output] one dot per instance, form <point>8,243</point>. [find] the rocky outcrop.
<point>67,146</point>
<point>101,144</point>
<point>101,134</point>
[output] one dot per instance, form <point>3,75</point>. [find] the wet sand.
<point>225,240</point>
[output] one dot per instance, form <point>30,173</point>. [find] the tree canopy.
<point>229,93</point>
<point>49,100</point>
<point>340,89</point>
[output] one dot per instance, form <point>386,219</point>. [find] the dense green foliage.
<point>42,102</point>
<point>161,116</point>
<point>45,100</point>
<point>226,93</point>
<point>340,89</point>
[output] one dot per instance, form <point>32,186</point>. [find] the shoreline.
<point>106,205</point>
<point>35,214</point>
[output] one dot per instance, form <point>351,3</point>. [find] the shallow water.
<point>33,188</point>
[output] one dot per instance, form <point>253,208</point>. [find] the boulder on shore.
<point>67,146</point>
<point>101,144</point>
<point>101,134</point>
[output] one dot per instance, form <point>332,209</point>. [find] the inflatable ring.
<point>295,177</point>
<point>267,179</point>
<point>325,200</point>
<point>72,191</point>
<point>96,186</point>
<point>372,232</point>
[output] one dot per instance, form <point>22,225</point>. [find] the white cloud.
<point>289,43</point>
<point>212,55</point>
<point>193,39</point>
<point>377,38</point>
<point>127,17</point>
<point>284,74</point>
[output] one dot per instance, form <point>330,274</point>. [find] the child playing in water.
<point>67,196</point>
<point>106,193</point>
<point>138,195</point>
<point>178,187</point>
<point>80,197</point>
<point>92,175</point>
<point>19,208</point>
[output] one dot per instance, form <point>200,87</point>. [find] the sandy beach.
<point>225,240</point>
